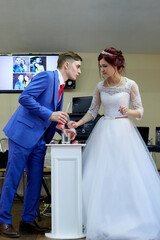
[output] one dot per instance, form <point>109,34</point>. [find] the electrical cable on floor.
<point>46,210</point>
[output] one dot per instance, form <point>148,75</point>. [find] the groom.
<point>29,129</point>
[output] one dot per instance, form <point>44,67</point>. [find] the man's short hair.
<point>67,56</point>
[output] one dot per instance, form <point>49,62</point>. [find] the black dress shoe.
<point>7,230</point>
<point>32,227</point>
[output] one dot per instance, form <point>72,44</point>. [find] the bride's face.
<point>106,69</point>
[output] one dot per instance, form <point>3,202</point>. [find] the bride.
<point>121,185</point>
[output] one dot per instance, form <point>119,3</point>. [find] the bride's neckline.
<point>122,82</point>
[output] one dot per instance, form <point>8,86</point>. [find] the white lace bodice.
<point>112,98</point>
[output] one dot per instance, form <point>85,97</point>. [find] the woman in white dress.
<point>121,185</point>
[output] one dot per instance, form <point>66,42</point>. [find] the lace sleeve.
<point>136,99</point>
<point>96,102</point>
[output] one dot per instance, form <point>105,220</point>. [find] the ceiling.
<point>43,26</point>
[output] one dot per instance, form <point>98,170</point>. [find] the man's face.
<point>18,61</point>
<point>73,69</point>
<point>38,60</point>
<point>20,78</point>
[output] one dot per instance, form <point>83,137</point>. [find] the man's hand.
<point>72,132</point>
<point>59,116</point>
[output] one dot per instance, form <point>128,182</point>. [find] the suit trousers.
<point>20,158</point>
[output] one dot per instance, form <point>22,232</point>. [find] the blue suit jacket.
<point>37,102</point>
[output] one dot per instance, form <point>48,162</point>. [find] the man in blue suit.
<point>29,129</point>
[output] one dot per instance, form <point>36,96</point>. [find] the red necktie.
<point>61,90</point>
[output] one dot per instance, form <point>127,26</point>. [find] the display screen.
<point>81,104</point>
<point>16,71</point>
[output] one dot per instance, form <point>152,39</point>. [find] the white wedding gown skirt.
<point>121,186</point>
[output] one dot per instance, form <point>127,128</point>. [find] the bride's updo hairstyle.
<point>113,57</point>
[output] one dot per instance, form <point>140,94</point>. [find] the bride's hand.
<point>72,124</point>
<point>124,110</point>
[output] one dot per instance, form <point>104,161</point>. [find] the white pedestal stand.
<point>66,191</point>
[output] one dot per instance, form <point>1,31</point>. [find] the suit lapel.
<point>56,90</point>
